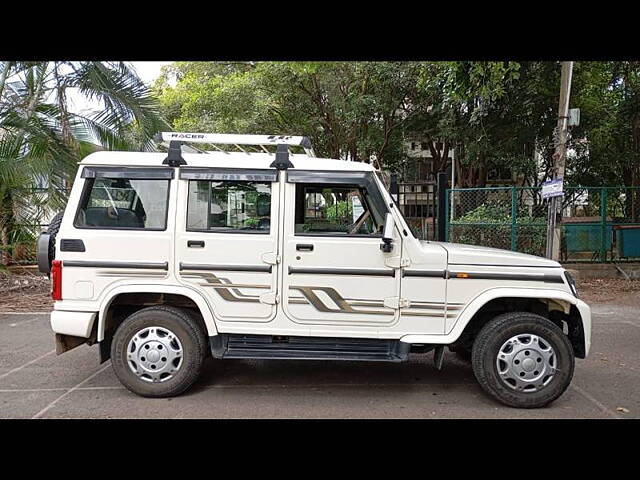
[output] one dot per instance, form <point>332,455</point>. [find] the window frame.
<point>362,180</point>
<point>190,179</point>
<point>89,181</point>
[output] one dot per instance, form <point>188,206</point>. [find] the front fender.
<point>200,301</point>
<point>455,329</point>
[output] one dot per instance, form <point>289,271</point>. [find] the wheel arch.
<point>556,305</point>
<point>176,292</point>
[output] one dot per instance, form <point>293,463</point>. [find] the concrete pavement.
<point>35,383</point>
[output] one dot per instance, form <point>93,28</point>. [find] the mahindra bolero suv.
<point>163,259</point>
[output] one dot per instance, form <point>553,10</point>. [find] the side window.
<point>335,210</point>
<point>229,206</point>
<point>124,203</point>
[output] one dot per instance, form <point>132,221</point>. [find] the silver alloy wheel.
<point>154,354</point>
<point>526,363</point>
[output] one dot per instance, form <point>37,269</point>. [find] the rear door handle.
<point>195,243</point>
<point>304,247</point>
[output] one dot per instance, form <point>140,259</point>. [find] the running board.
<point>308,348</point>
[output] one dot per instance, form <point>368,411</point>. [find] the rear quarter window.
<point>124,203</point>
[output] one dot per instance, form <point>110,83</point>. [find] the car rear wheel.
<point>158,351</point>
<point>523,360</point>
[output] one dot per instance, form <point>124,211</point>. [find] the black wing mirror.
<point>387,237</point>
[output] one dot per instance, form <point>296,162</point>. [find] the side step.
<point>308,348</point>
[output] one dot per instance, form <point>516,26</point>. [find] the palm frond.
<point>125,97</point>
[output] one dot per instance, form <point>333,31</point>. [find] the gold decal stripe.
<point>343,305</point>
<point>226,289</point>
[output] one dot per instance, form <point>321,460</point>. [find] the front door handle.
<point>304,247</point>
<point>195,243</point>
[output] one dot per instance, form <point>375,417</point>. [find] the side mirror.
<point>387,235</point>
<point>394,189</point>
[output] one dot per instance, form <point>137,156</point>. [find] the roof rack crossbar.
<point>239,139</point>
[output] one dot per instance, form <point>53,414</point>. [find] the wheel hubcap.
<point>154,354</point>
<point>526,363</point>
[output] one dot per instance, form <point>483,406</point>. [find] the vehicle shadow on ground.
<point>419,370</point>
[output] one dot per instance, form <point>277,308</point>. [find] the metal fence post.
<point>446,214</point>
<point>442,200</point>
<point>603,224</point>
<point>514,212</point>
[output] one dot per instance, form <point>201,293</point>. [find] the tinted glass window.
<point>335,209</point>
<point>124,203</point>
<point>229,206</point>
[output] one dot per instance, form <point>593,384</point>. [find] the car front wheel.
<point>523,360</point>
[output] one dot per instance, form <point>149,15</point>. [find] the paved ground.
<point>34,382</point>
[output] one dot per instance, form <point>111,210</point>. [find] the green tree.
<point>607,142</point>
<point>496,115</point>
<point>41,140</point>
<point>351,110</point>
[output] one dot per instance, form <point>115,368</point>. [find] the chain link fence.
<point>599,224</point>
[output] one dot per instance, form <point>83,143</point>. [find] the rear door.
<point>227,240</point>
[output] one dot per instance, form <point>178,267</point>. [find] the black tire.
<point>54,228</point>
<point>188,331</point>
<point>492,337</point>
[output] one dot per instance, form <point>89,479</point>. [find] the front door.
<point>227,240</point>
<point>334,272</point>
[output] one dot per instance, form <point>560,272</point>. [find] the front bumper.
<point>585,315</point>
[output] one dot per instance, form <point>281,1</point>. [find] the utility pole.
<point>554,219</point>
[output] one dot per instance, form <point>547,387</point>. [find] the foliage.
<point>350,110</point>
<point>340,211</point>
<point>607,142</point>
<point>41,139</point>
<point>490,224</point>
<point>498,116</point>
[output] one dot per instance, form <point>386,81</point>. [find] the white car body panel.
<point>461,254</point>
<point>473,306</point>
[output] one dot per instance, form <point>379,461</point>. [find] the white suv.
<point>162,259</point>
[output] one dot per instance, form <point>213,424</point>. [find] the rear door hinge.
<point>270,298</point>
<point>397,262</point>
<point>396,302</point>
<point>271,258</point>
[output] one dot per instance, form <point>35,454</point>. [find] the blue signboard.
<point>552,188</point>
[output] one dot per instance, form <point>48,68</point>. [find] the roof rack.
<point>282,143</point>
